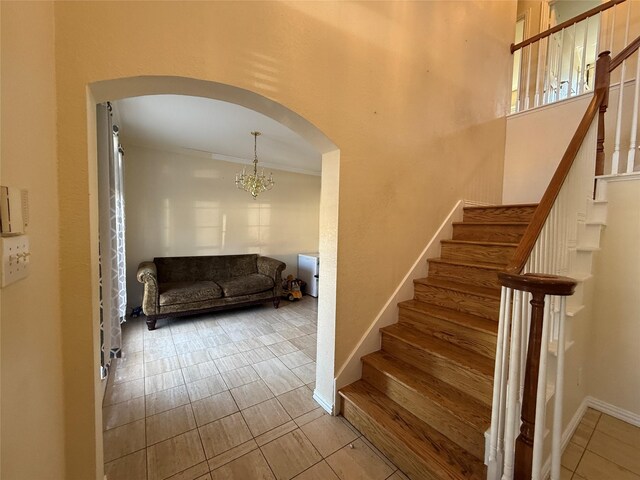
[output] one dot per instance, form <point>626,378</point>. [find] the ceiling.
<point>212,127</point>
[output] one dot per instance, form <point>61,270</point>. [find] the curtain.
<point>112,255</point>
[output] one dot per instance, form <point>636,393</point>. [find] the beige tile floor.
<point>228,396</point>
<point>602,448</point>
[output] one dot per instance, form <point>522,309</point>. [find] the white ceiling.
<point>221,129</point>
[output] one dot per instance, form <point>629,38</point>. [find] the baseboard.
<point>327,406</point>
<point>616,412</point>
<point>351,371</point>
<point>596,404</point>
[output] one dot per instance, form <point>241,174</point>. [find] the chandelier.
<point>254,183</point>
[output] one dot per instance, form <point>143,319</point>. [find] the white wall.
<point>188,204</point>
<point>615,329</point>
<point>530,160</point>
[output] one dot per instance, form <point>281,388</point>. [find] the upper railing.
<point>559,63</point>
<point>538,275</point>
<point>569,23</point>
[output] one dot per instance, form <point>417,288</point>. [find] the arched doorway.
<point>116,89</point>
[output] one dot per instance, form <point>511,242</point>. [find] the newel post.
<point>602,83</point>
<point>539,286</point>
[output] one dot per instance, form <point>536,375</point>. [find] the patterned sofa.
<point>177,286</point>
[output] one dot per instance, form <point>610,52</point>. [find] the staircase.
<point>425,398</point>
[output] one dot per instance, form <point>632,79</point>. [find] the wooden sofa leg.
<point>151,323</point>
<point>276,302</point>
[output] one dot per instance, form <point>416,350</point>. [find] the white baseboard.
<point>596,404</point>
<point>351,371</point>
<point>616,412</point>
<point>326,405</point>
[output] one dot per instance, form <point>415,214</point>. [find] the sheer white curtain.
<point>113,289</point>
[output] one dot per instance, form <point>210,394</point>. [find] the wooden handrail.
<point>578,18</point>
<point>539,218</point>
<point>624,54</point>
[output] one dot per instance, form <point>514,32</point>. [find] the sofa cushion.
<point>241,265</point>
<point>252,283</point>
<point>176,293</point>
<point>190,269</point>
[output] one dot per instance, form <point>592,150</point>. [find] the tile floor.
<point>602,448</point>
<point>228,396</point>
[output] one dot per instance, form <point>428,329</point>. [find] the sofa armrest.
<point>148,275</point>
<point>272,268</point>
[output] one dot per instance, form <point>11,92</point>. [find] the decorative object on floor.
<point>254,183</point>
<point>292,288</point>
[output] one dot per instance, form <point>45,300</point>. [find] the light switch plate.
<point>15,258</point>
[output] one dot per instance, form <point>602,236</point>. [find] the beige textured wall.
<point>32,434</point>
<point>179,204</point>
<point>412,94</point>
<point>615,329</point>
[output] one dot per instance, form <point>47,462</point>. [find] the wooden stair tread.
<point>453,400</point>
<point>492,224</point>
<point>460,287</point>
<point>469,360</point>
<point>454,316</point>
<point>481,242</point>
<point>462,263</point>
<point>507,206</point>
<point>443,457</point>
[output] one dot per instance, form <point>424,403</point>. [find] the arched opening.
<point>110,90</point>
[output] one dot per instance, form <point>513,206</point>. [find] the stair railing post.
<point>539,286</point>
<point>524,442</point>
<point>602,83</point>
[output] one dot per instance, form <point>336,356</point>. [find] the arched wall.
<point>413,93</point>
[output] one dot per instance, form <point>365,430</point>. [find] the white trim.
<point>619,177</point>
<point>617,412</point>
<point>327,406</point>
<point>547,106</point>
<point>351,371</point>
<point>596,404</point>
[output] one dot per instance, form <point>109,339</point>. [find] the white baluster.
<point>559,79</point>
<point>503,379</point>
<point>526,327</point>
<point>496,444</point>
<point>613,27</point>
<point>571,59</point>
<point>631,156</point>
<point>582,78</point>
<point>539,72</point>
<point>519,79</point>
<point>556,434</point>
<point>527,93</point>
<point>513,410</point>
<point>541,399</point>
<point>548,65</point>
<point>615,160</point>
